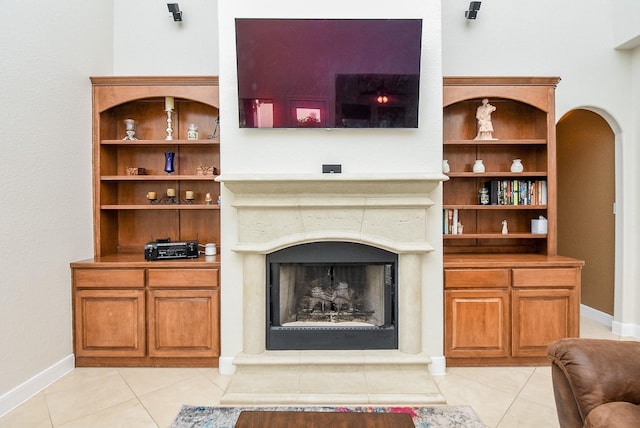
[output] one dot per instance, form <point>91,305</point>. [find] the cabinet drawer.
<point>555,277</point>
<point>116,278</point>
<point>183,278</point>
<point>457,278</point>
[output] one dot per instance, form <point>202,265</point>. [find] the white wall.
<point>625,30</point>
<point>304,151</point>
<point>577,41</point>
<point>48,51</point>
<point>148,42</point>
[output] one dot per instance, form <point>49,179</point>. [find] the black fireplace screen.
<point>331,295</point>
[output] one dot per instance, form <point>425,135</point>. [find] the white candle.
<point>171,192</point>
<point>152,196</point>
<point>168,103</point>
<point>189,194</point>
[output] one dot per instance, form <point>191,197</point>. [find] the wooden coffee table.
<point>284,419</point>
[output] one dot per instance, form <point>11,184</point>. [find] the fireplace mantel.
<point>384,210</point>
<point>334,184</point>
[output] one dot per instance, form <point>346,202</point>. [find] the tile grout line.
<point>516,397</point>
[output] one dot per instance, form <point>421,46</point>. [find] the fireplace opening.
<point>332,295</point>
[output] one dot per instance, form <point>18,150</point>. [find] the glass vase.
<point>168,162</point>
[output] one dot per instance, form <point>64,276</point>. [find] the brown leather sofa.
<point>596,382</point>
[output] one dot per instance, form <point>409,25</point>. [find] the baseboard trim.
<point>23,392</point>
<point>438,366</point>
<point>626,329</point>
<point>596,315</point>
<point>617,328</point>
<point>226,366</point>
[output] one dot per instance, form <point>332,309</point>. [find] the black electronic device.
<point>164,249</point>
<point>328,73</point>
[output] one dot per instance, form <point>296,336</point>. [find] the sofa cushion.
<point>618,414</point>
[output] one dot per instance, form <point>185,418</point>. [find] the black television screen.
<point>328,73</point>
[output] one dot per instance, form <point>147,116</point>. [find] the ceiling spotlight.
<point>177,14</point>
<point>474,7</point>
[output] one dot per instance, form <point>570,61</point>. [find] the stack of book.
<point>517,192</point>
<point>450,223</point>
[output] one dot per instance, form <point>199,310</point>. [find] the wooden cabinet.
<point>507,295</point>
<point>163,315</point>
<point>125,219</point>
<point>524,128</point>
<point>505,309</point>
<point>183,323</point>
<point>129,311</point>
<point>110,323</point>
<point>477,323</point>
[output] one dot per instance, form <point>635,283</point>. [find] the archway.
<point>586,197</point>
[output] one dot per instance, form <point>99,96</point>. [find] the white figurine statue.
<point>485,127</point>
<point>505,230</point>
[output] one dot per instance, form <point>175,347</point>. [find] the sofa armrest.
<point>590,372</point>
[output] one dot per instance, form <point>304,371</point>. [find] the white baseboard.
<point>226,366</point>
<point>626,329</point>
<point>617,328</point>
<point>596,315</point>
<point>438,366</point>
<point>21,393</point>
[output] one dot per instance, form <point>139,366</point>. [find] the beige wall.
<point>49,50</point>
<point>586,193</point>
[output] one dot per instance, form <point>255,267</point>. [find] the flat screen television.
<point>328,73</point>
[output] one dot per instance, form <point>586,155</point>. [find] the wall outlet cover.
<point>331,168</point>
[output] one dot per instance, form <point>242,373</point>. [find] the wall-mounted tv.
<point>328,73</point>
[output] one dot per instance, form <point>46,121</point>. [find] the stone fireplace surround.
<point>388,211</point>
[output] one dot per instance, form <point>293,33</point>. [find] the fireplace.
<point>386,219</point>
<point>331,295</point>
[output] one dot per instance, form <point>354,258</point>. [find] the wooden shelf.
<point>496,207</point>
<point>526,142</point>
<point>129,311</point>
<point>159,142</point>
<point>500,174</point>
<point>158,177</point>
<point>506,297</point>
<point>523,123</point>
<point>161,207</point>
<point>496,236</point>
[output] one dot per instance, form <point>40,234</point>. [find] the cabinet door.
<point>476,323</point>
<point>183,323</point>
<point>541,316</point>
<point>109,323</point>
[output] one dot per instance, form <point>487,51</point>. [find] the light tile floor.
<point>506,397</point>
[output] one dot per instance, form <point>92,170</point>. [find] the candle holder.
<point>152,197</point>
<point>169,124</point>
<point>216,130</point>
<point>171,198</point>
<point>188,197</point>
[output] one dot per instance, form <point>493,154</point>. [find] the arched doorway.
<point>586,196</point>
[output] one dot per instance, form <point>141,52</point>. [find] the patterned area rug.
<point>423,417</point>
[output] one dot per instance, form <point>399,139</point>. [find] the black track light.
<point>175,10</point>
<point>472,13</point>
